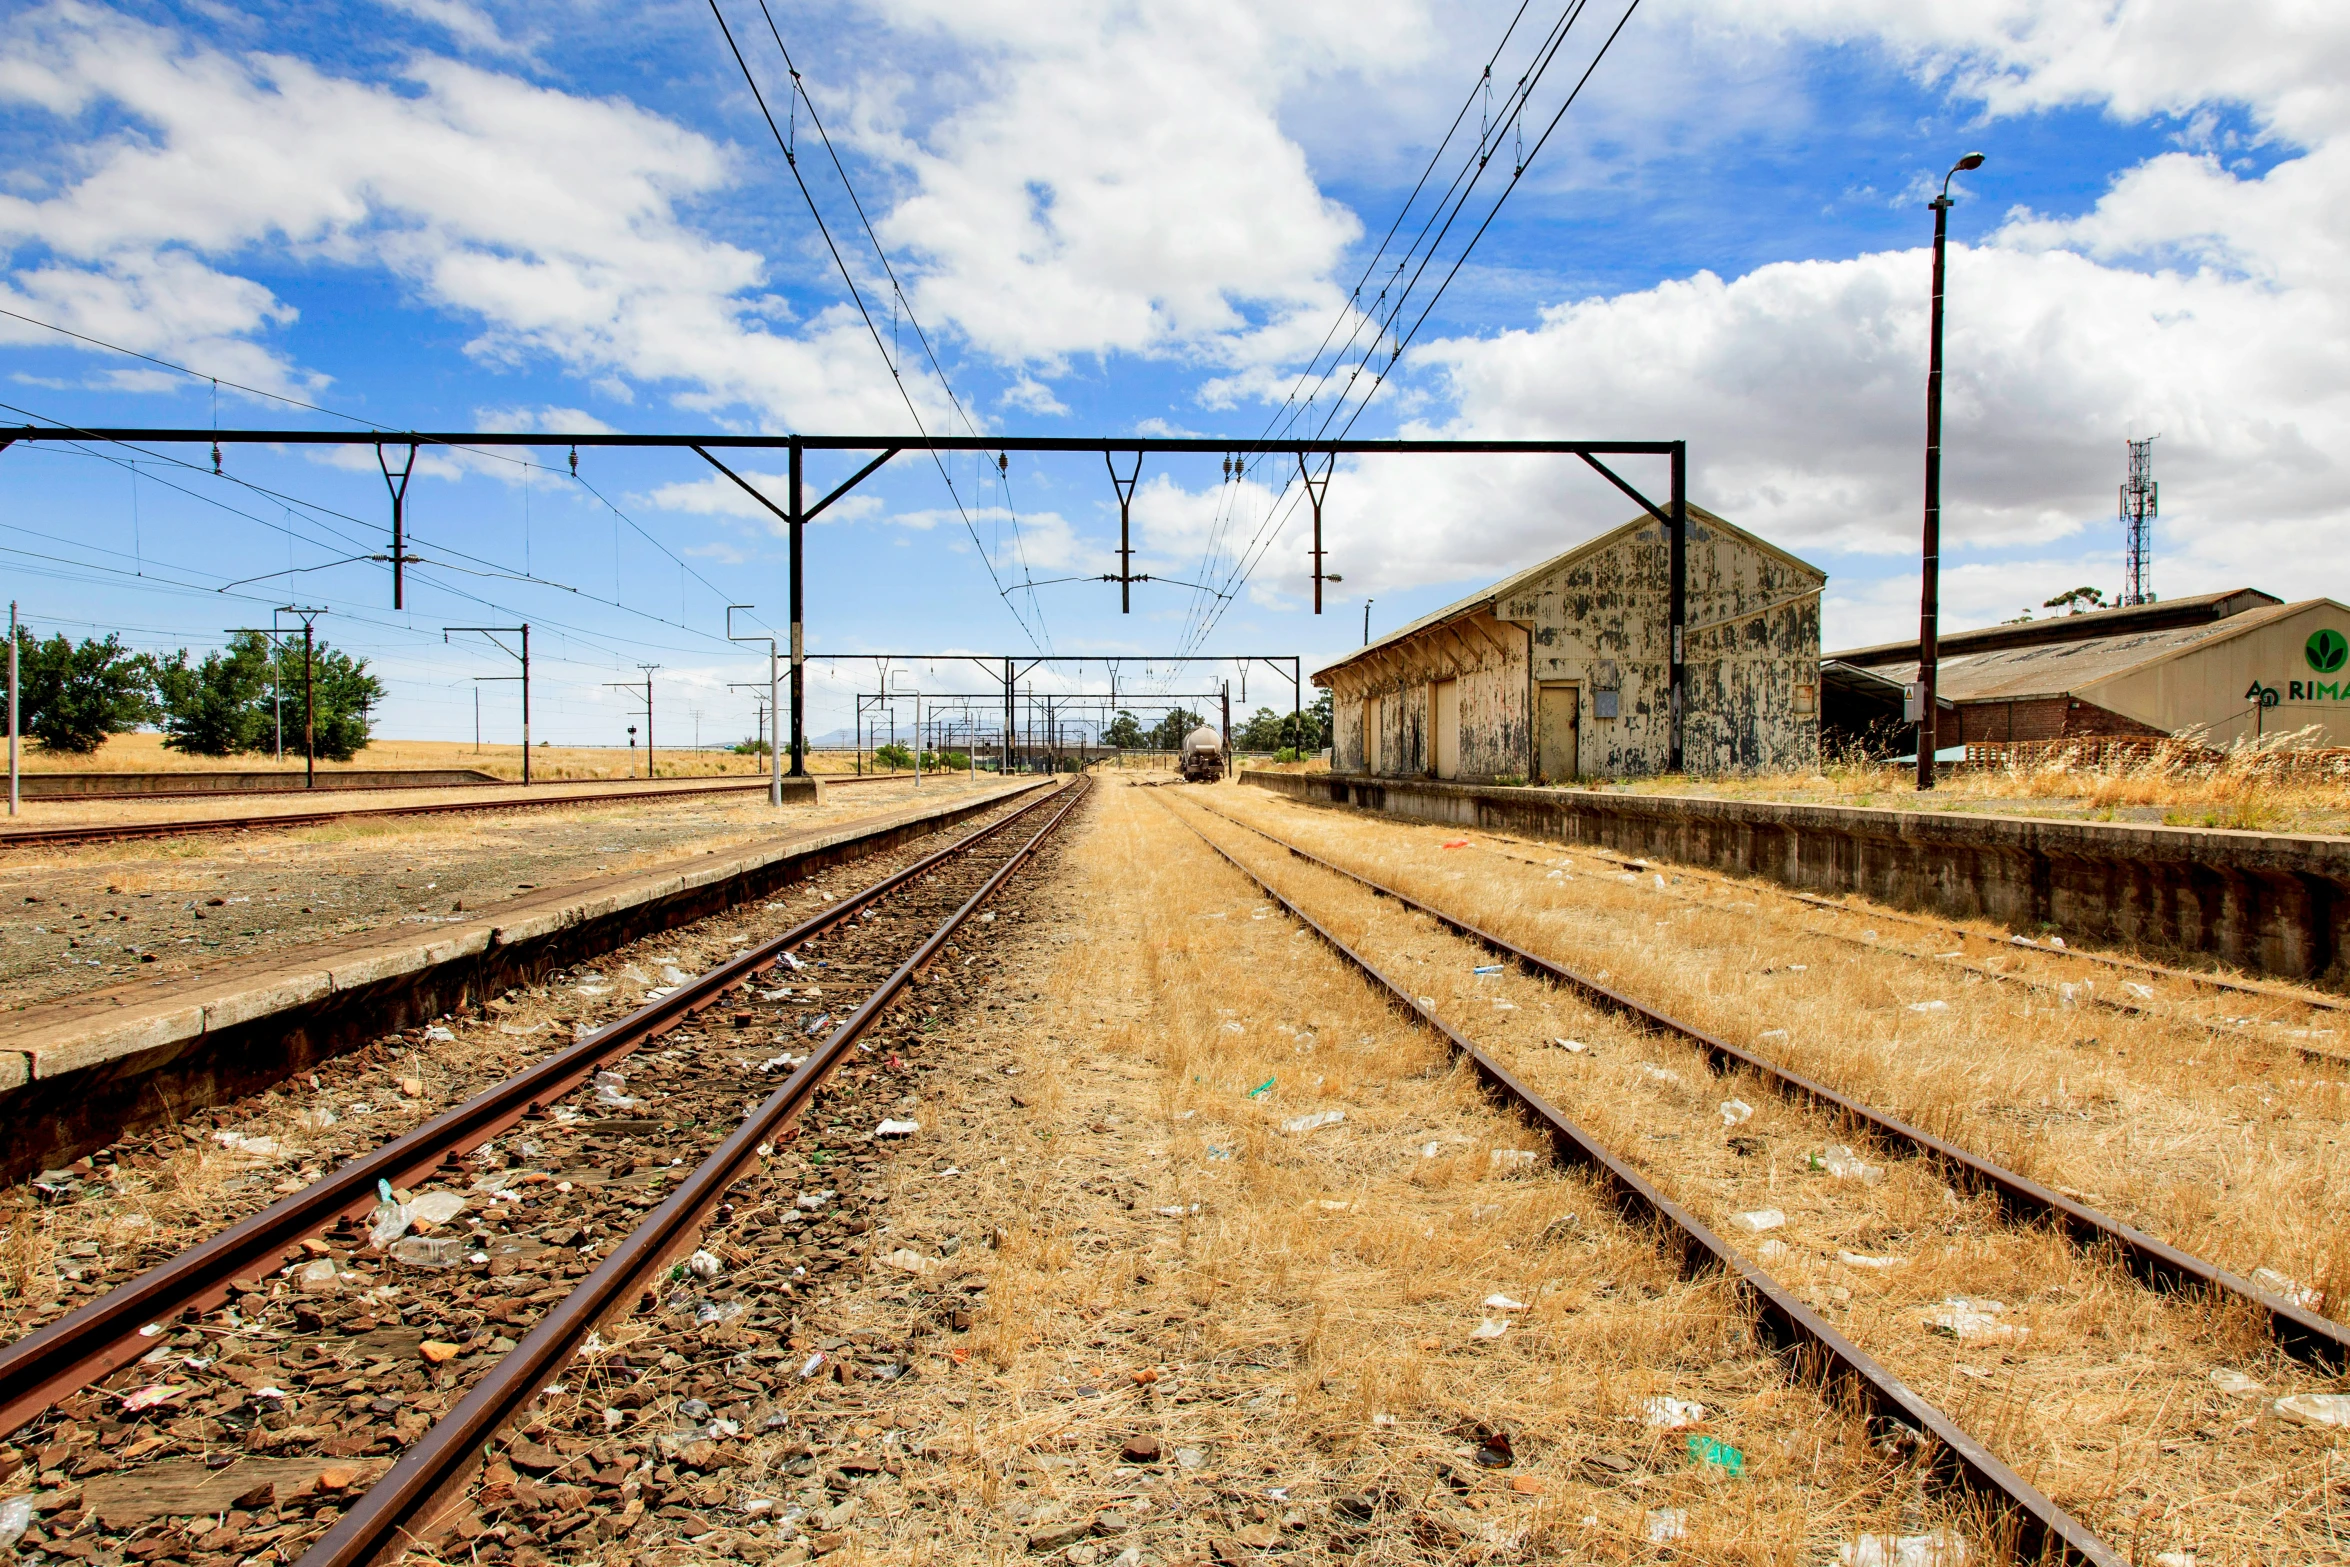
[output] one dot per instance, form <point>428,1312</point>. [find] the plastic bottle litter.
<point>1706,1453</point>
<point>1263,1088</point>
<point>16,1516</point>
<point>2316,1409</point>
<point>1667,1524</point>
<point>1757,1221</point>
<point>1503,1303</point>
<point>1314,1122</point>
<point>1491,1327</point>
<point>1942,1548</point>
<point>1514,1158</point>
<point>435,1207</point>
<point>2236,1382</point>
<point>391,1218</point>
<point>1487,970</point>
<point>1974,1321</point>
<point>1571,1046</point>
<point>1839,1160</point>
<point>2289,1289</point>
<point>1929,1006</point>
<point>897,1128</point>
<point>239,1142</point>
<point>704,1266</point>
<point>1854,1259</point>
<point>1670,1414</point>
<point>1736,1112</point>
<point>431,1251</point>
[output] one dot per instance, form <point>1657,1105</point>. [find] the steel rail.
<point>2043,1528</point>
<point>2302,1333</point>
<point>384,1521</point>
<point>112,1330</point>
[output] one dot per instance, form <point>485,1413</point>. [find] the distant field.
<point>144,753</point>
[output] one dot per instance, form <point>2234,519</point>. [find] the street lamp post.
<point>1929,601</point>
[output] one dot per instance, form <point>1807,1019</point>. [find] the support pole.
<point>525,704</point>
<point>1930,552</point>
<point>1677,610</point>
<point>797,523</point>
<point>1125,488</point>
<point>397,483</point>
<point>1316,488</point>
<point>1008,720</point>
<point>15,763</point>
<point>309,713</point>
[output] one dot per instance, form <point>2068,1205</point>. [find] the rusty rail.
<point>382,1522</point>
<point>2043,1529</point>
<point>85,1345</point>
<point>2301,1333</point>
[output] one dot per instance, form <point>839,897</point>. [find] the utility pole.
<point>1008,678</point>
<point>309,697</point>
<point>493,633</point>
<point>15,776</point>
<point>646,695</point>
<point>795,525</point>
<point>1930,594</point>
<point>397,483</point>
<point>775,751</point>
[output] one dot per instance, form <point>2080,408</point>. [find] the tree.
<point>2074,600</point>
<point>220,706</point>
<point>1262,732</point>
<point>1168,734</point>
<point>70,698</point>
<point>751,747</point>
<point>1124,732</point>
<point>893,755</point>
<point>343,693</point>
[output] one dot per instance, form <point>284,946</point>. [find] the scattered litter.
<point>786,1062</point>
<point>1331,1205</point>
<point>439,1035</point>
<point>1660,882</point>
<point>1491,1327</point>
<point>1431,1150</point>
<point>16,1516</point>
<point>1929,1006</point>
<point>1839,1160</point>
<point>811,1201</point>
<point>1263,1088</point>
<point>2236,1382</point>
<point>987,917</point>
<point>1967,1320</point>
<point>435,1207</point>
<point>1177,1211</point>
<point>2277,1284</point>
<point>1667,1524</point>
<point>1942,1548</point>
<point>430,1251</point>
<point>1670,1414</point>
<point>153,1397</point>
<point>702,1265</point>
<point>1772,1033</point>
<point>906,1260</point>
<point>1853,1259</point>
<point>317,1119</point>
<point>1485,970</point>
<point>1706,1453</point>
<point>1659,1074</point>
<point>1427,1003</point>
<point>2077,995</point>
<point>2057,942</point>
<point>1571,1046</point>
<point>1514,1158</point>
<point>1736,1112</point>
<point>1757,1221</point>
<point>2174,1559</point>
<point>611,1092</point>
<point>1503,1303</point>
<point>672,975</point>
<point>1314,1122</point>
<point>897,1128</point>
<point>2316,1409</point>
<point>390,1221</point>
<point>258,1147</point>
<point>1772,1251</point>
<point>818,1024</point>
<point>2143,993</point>
<point>1458,843</point>
<point>1191,1457</point>
<point>1799,968</point>
<point>813,1364</point>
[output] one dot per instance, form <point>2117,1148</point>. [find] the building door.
<point>1561,723</point>
<point>1374,713</point>
<point>1448,728</point>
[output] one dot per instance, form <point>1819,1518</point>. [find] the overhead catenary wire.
<point>798,94</point>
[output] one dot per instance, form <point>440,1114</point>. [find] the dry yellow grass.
<point>1305,1302</point>
<point>2108,1403</point>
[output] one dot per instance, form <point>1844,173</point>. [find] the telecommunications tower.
<point>2138,498</point>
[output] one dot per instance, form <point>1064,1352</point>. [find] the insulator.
<point>1003,462</point>
<point>216,457</point>
<point>575,462</point>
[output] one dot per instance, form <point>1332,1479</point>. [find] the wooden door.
<point>1448,728</point>
<point>1561,724</point>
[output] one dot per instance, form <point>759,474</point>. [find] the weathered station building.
<point>1562,671</point>
<point>2236,665</point>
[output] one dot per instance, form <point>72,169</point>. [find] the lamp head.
<point>1973,160</point>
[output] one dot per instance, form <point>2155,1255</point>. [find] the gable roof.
<point>2196,610</point>
<point>1486,598</point>
<point>2059,669</point>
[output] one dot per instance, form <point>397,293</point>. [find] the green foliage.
<point>229,700</point>
<point>956,761</point>
<point>893,755</point>
<point>70,698</point>
<point>1267,730</point>
<point>1125,732</point>
<point>750,748</point>
<point>1287,753</point>
<point>1167,734</point>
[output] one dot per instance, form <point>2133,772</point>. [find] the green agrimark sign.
<point>2327,652</point>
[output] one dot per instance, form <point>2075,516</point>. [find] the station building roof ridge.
<point>2197,610</point>
<point>1485,598</point>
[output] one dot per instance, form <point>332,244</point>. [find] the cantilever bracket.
<point>855,479</point>
<point>1316,488</point>
<point>1609,474</point>
<point>1125,488</point>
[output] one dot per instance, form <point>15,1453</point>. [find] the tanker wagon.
<point>1203,756</point>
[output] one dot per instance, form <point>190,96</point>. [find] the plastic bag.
<point>611,1092</point>
<point>391,1218</point>
<point>430,1251</point>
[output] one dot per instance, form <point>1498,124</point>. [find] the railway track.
<point>2040,1527</point>
<point>2302,1333</point>
<point>333,1327</point>
<point>2212,1296</point>
<point>35,837</point>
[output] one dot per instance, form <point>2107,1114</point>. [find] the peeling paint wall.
<point>1598,620</point>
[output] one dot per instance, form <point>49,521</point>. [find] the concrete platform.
<point>2272,903</point>
<point>75,1074</point>
<point>110,786</point>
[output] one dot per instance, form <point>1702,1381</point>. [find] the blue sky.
<point>1128,219</point>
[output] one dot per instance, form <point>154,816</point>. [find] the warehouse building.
<point>2236,665</point>
<point>1562,672</point>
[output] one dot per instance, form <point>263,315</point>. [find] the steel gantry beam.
<point>796,514</point>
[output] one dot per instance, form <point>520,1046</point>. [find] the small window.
<point>1603,704</point>
<point>1804,699</point>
